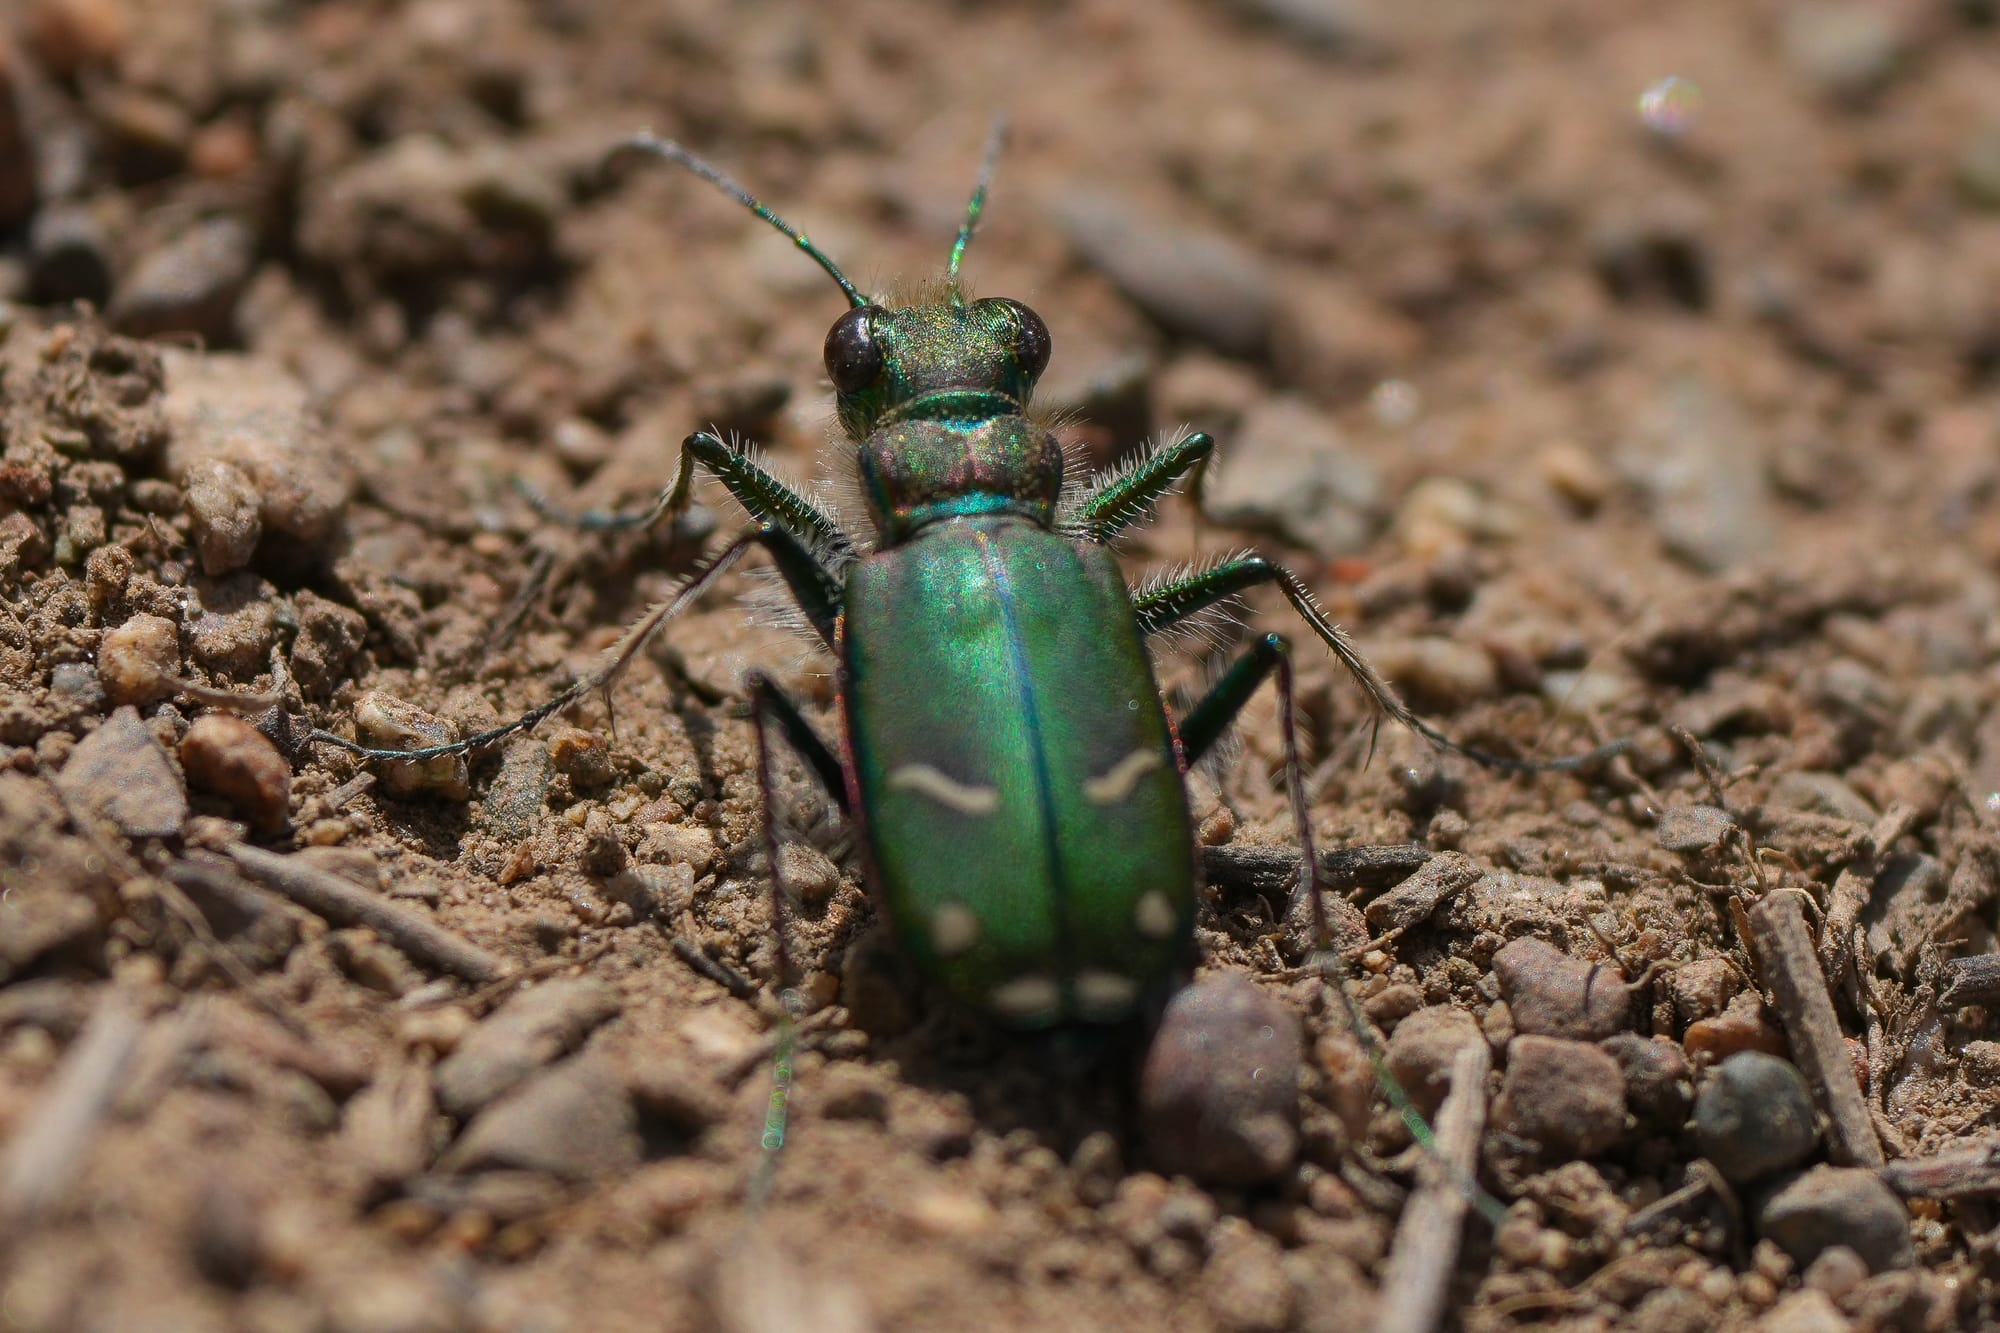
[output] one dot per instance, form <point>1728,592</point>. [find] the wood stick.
<point>1426,1247</point>
<point>1974,980</point>
<point>1957,1174</point>
<point>1791,971</point>
<point>344,903</point>
<point>47,1154</point>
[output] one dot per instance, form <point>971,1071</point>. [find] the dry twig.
<point>1426,1248</point>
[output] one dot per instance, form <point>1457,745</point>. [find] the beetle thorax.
<point>914,472</point>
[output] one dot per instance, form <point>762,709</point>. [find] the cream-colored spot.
<point>946,790</point>
<point>1118,781</point>
<point>1026,997</point>
<point>1155,916</point>
<point>1104,995</point>
<point>954,930</point>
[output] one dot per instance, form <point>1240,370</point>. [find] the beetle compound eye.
<point>853,356</point>
<point>1030,335</point>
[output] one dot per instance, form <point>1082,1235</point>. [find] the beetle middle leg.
<point>814,587</point>
<point>1209,720</point>
<point>1174,599</point>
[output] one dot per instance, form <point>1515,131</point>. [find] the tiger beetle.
<point>1006,751</point>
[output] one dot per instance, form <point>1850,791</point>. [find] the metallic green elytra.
<point>1019,786</point>
<point>1007,755</point>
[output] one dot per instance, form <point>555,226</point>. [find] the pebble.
<point>1421,1051</point>
<point>389,1129</point>
<point>386,722</point>
<point>1754,1117</point>
<point>1690,830</point>
<point>1844,51</point>
<point>69,35</point>
<point>233,626</point>
<point>1332,338</point>
<point>225,515</point>
<point>1219,1093</point>
<point>1292,473</point>
<point>1554,995</point>
<point>680,1093</point>
<point>582,756</point>
<point>1565,1097</point>
<point>223,754</point>
<point>532,1029</point>
<point>1821,794</point>
<point>189,285</point>
<point>253,415</point>
<point>1839,1205</point>
<point>1804,1312</point>
<point>121,772</point>
<point>1741,1026</point>
<point>225,1235</point>
<point>1659,1084</point>
<point>1700,465</point>
<point>574,1122</point>
<point>328,636</point>
<point>512,804</point>
<point>69,255</point>
<point>1195,284</point>
<point>1244,1283</point>
<point>1435,673</point>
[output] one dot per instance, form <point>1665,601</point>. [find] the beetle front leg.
<point>1127,495</point>
<point>763,496</point>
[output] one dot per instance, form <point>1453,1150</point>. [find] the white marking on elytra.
<point>1155,917</point>
<point>946,790</point>
<point>1032,996</point>
<point>1118,781</point>
<point>954,930</point>
<point>1105,994</point>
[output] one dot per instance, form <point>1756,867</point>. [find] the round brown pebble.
<point>1219,1095</point>
<point>138,661</point>
<point>1553,995</point>
<point>1567,1098</point>
<point>225,755</point>
<point>1839,1205</point>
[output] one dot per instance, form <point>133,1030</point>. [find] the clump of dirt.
<point>1597,406</point>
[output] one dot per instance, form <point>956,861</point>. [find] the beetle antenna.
<point>996,139</point>
<point>645,141</point>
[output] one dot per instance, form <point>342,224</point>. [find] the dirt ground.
<point>1610,370</point>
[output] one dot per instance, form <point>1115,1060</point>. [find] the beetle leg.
<point>1211,716</point>
<point>1122,498</point>
<point>1175,599</point>
<point>762,495</point>
<point>816,589</point>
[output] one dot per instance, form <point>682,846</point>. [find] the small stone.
<point>1195,284</point>
<point>233,628</point>
<point>1218,1096</point>
<point>1577,475</point>
<point>254,416</point>
<point>1754,1117</point>
<point>69,255</point>
<point>532,1029</point>
<point>1554,995</point>
<point>224,515</point>
<point>1845,51</point>
<point>226,1235</point>
<point>390,1130</point>
<point>1821,794</point>
<point>582,756</point>
<point>226,755</point>
<point>1292,473</point>
<point>1659,1085</point>
<point>1421,1051</point>
<point>810,874</point>
<point>328,636</point>
<point>190,285</point>
<point>851,1092</point>
<point>574,1122</point>
<point>1837,1205</point>
<point>1434,673</point>
<point>386,722</point>
<point>1700,463</point>
<point>1803,1312</point>
<point>685,1096</point>
<point>1566,1098</point>
<point>1244,1283</point>
<point>121,772</point>
<point>1417,898</point>
<point>1741,1026</point>
<point>1689,830</point>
